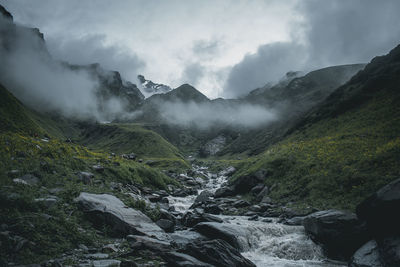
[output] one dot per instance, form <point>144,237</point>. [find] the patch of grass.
<point>51,231</point>
<point>133,138</point>
<point>338,161</point>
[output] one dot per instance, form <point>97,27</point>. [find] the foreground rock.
<point>242,185</point>
<point>366,256</point>
<point>109,210</point>
<point>381,211</point>
<point>218,253</point>
<point>234,235</point>
<point>339,233</point>
<point>190,219</point>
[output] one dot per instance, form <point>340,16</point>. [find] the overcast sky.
<point>222,47</point>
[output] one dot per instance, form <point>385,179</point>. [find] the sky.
<point>225,48</point>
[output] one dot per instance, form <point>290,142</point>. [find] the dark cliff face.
<point>16,40</point>
<point>112,85</point>
<point>5,14</point>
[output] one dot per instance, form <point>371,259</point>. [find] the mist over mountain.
<point>100,166</point>
<point>85,92</point>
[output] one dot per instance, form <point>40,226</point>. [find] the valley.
<point>301,173</point>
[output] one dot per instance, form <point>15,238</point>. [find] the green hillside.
<point>132,138</point>
<point>345,149</point>
<point>14,116</point>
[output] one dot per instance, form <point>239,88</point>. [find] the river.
<point>264,243</point>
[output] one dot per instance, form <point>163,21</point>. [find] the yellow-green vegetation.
<point>56,163</point>
<point>133,138</point>
<point>338,161</point>
<point>14,116</point>
<point>34,143</point>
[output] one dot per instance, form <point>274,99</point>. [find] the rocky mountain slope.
<point>150,88</point>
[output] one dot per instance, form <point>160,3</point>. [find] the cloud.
<point>93,49</point>
<point>166,35</point>
<point>209,114</point>
<point>268,64</point>
<point>350,31</point>
<point>331,33</point>
<point>193,73</point>
<point>206,49</point>
<point>31,74</point>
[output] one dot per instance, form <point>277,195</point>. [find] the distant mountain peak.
<point>149,88</point>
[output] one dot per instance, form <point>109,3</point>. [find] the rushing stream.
<point>264,243</point>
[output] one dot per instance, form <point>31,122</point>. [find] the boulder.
<point>218,253</point>
<point>213,209</point>
<point>167,225</point>
<point>190,219</point>
<point>339,233</point>
<point>179,259</point>
<point>241,185</point>
<point>225,191</point>
<point>381,209</point>
<point>204,196</point>
<point>389,249</point>
<point>184,237</point>
<point>241,203</point>
<point>235,235</point>
<point>366,256</point>
<point>107,209</point>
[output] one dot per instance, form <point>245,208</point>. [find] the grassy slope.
<point>128,138</point>
<point>344,150</point>
<point>51,231</point>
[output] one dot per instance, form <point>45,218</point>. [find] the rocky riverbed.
<point>203,224</point>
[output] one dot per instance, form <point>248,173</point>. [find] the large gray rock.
<point>218,253</point>
<point>203,197</point>
<point>381,211</point>
<point>190,219</point>
<point>366,256</point>
<point>339,233</point>
<point>107,209</point>
<point>235,235</point>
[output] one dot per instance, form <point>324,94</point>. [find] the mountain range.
<point>320,140</point>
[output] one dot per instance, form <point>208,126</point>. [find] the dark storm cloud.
<point>333,32</point>
<point>268,64</point>
<point>92,49</point>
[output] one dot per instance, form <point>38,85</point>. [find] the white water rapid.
<point>269,244</point>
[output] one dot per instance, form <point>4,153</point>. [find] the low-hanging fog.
<point>31,74</point>
<point>208,114</point>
